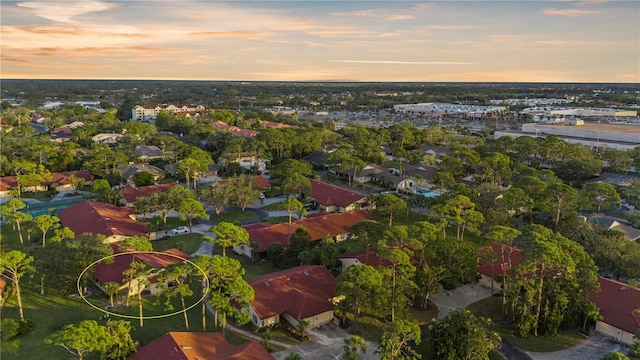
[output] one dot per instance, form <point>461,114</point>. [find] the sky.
<point>435,41</point>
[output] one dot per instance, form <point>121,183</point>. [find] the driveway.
<point>459,298</point>
<point>593,348</point>
<point>326,343</point>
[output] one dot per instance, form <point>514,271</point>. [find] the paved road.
<point>593,348</point>
<point>327,342</point>
<point>459,298</point>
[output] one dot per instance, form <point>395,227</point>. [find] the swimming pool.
<point>425,192</point>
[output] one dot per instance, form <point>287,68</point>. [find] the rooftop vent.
<point>185,346</point>
<point>623,288</point>
<point>306,273</point>
<point>266,283</point>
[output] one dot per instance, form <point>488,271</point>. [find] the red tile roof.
<point>100,218</point>
<point>132,194</point>
<point>61,178</point>
<point>372,259</point>
<point>301,292</point>
<point>619,304</point>
<point>199,345</point>
<point>234,130</point>
<point>319,227</point>
<point>501,264</point>
<point>105,273</point>
<point>277,125</point>
<point>328,194</point>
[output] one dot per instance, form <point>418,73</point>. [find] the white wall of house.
<point>255,319</point>
<point>349,262</point>
<point>617,334</point>
<point>315,320</point>
<point>243,250</point>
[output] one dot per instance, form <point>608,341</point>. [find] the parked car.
<point>180,230</point>
<point>262,196</point>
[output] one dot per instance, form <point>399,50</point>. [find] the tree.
<point>635,346</point>
<point>276,254</point>
<point>399,275</point>
<point>111,288</point>
<point>560,198</point>
<point>167,201</point>
<point>296,184</point>
<point>460,210</point>
<point>359,285</point>
<point>86,337</point>
<point>137,243</point>
<point>292,205</point>
<point>351,347</point>
<point>11,209</point>
<point>614,355</point>
<point>229,235</point>
<point>45,223</point>
<point>230,293</point>
<point>143,178</point>
<point>302,326</point>
<point>103,192</point>
<point>369,232</point>
<point>191,209</point>
<point>266,336</point>
<point>9,329</point>
<point>244,191</point>
<point>138,272</point>
<point>292,166</point>
<point>389,204</point>
<point>594,196</point>
<point>174,281</point>
<point>444,179</point>
<point>16,264</point>
<point>462,335</point>
<point>219,195</point>
<point>395,343</point>
<point>191,168</point>
<point>120,344</point>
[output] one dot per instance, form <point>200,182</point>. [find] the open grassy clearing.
<point>188,243</point>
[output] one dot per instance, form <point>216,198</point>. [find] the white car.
<point>180,230</point>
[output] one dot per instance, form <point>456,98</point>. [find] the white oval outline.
<point>143,317</point>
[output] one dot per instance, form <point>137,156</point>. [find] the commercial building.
<point>575,131</point>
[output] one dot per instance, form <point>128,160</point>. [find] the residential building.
<point>128,171</point>
<point>304,292</point>
<point>621,225</point>
<point>320,226</point>
<point>156,262</point>
<point>130,194</point>
<point>200,345</point>
<point>335,198</point>
<point>364,257</point>
<point>619,306</point>
<point>150,112</point>
<point>149,152</point>
<point>62,181</point>
<point>246,160</point>
<point>506,258</point>
<point>106,138</point>
<point>114,222</point>
<point>234,130</point>
<point>260,182</point>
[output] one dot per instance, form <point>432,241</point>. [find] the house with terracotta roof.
<point>320,226</point>
<point>363,257</point>
<point>114,271</point>
<point>130,195</point>
<point>116,223</point>
<point>619,306</point>
<point>335,198</point>
<point>62,181</point>
<point>303,292</point>
<point>233,130</point>
<point>504,258</point>
<point>200,345</point>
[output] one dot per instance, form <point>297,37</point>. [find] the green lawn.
<point>492,307</point>
<point>272,207</point>
<point>188,243</point>
<point>40,195</point>
<point>234,216</point>
<point>280,219</point>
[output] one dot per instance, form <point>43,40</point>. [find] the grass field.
<point>188,243</point>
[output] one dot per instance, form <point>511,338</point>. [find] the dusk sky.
<point>520,41</point>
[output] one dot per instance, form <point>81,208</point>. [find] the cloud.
<point>451,27</point>
<point>551,42</point>
<point>64,11</point>
<point>568,12</point>
<point>402,62</point>
<point>235,34</point>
